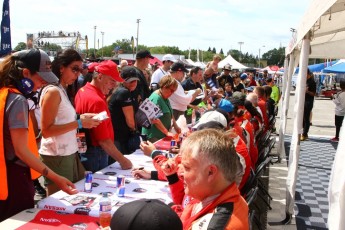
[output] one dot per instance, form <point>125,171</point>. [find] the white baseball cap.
<point>169,57</point>
<point>212,116</point>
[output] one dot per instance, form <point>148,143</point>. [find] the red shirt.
<point>90,99</point>
<point>262,106</point>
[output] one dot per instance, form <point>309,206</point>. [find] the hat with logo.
<point>212,116</point>
<point>178,66</point>
<point>150,214</point>
<point>227,67</point>
<point>36,60</point>
<point>144,54</point>
<point>169,57</point>
<point>129,74</point>
<point>109,68</point>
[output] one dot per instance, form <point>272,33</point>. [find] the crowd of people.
<point>226,111</point>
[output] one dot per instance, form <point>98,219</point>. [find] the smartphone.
<point>143,137</point>
<point>101,116</point>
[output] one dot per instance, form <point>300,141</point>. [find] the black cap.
<point>144,54</point>
<point>178,66</point>
<point>150,214</point>
<point>129,73</point>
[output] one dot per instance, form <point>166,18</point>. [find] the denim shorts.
<point>94,159</point>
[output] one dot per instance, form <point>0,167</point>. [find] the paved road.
<point>322,118</point>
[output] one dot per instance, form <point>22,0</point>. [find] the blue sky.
<point>196,24</point>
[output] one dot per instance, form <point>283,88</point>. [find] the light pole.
<point>240,43</point>
<point>94,41</point>
<point>102,41</point>
<point>260,57</point>
<point>138,21</point>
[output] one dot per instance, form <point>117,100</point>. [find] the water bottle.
<point>104,210</point>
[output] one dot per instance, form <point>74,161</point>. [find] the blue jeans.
<point>94,159</point>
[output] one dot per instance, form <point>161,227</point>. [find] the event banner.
<point>6,46</point>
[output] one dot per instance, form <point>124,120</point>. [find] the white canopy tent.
<point>230,60</point>
<point>321,34</point>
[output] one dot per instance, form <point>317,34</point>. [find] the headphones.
<point>24,85</point>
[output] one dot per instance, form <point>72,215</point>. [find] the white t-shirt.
<point>339,101</point>
<point>64,144</point>
<point>157,75</point>
<point>179,99</point>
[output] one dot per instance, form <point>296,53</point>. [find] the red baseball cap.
<point>91,67</point>
<point>109,68</point>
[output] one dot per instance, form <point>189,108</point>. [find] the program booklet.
<point>146,112</point>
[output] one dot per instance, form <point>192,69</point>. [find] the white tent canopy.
<point>325,20</point>
<point>321,34</point>
<point>230,60</point>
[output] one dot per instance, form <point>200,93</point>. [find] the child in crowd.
<point>339,101</point>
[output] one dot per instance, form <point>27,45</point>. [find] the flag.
<point>6,46</point>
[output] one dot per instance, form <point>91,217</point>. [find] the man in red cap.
<point>92,99</point>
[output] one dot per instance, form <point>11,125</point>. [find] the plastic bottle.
<point>104,210</point>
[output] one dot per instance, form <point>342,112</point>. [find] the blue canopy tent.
<point>318,67</point>
<point>339,68</point>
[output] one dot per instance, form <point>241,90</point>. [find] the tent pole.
<point>297,128</point>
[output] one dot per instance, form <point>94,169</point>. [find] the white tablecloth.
<point>88,203</point>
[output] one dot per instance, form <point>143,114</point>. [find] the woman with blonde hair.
<point>161,126</point>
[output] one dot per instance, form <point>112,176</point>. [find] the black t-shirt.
<point>142,89</point>
<point>188,84</point>
<point>238,88</point>
<point>311,84</point>
<point>122,97</point>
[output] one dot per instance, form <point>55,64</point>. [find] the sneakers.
<point>335,139</point>
<point>304,137</point>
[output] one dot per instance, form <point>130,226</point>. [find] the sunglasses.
<point>76,69</point>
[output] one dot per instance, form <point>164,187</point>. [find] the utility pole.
<point>102,41</point>
<point>260,57</point>
<point>240,43</point>
<point>138,21</point>
<point>94,41</point>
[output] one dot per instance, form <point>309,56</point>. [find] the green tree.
<point>209,49</point>
<point>221,52</point>
<point>20,46</point>
<point>275,56</point>
<point>214,50</point>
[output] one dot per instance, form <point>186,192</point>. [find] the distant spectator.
<point>339,101</point>
<point>167,60</point>
<point>238,86</point>
<point>142,61</point>
<point>275,95</point>
<point>179,100</point>
<point>225,77</point>
<point>310,93</point>
<point>193,83</point>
